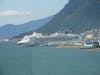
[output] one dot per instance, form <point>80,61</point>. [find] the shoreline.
<point>68,46</point>
<point>80,47</point>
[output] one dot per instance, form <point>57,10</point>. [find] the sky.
<point>21,11</point>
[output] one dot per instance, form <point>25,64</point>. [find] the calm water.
<point>48,61</point>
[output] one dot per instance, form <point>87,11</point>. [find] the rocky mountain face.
<point>77,16</point>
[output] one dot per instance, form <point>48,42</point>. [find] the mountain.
<point>77,16</point>
<point>10,30</point>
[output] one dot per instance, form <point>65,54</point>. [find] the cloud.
<point>14,13</point>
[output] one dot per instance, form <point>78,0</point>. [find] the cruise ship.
<point>50,40</point>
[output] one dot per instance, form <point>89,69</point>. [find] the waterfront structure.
<point>91,43</point>
<point>4,40</point>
